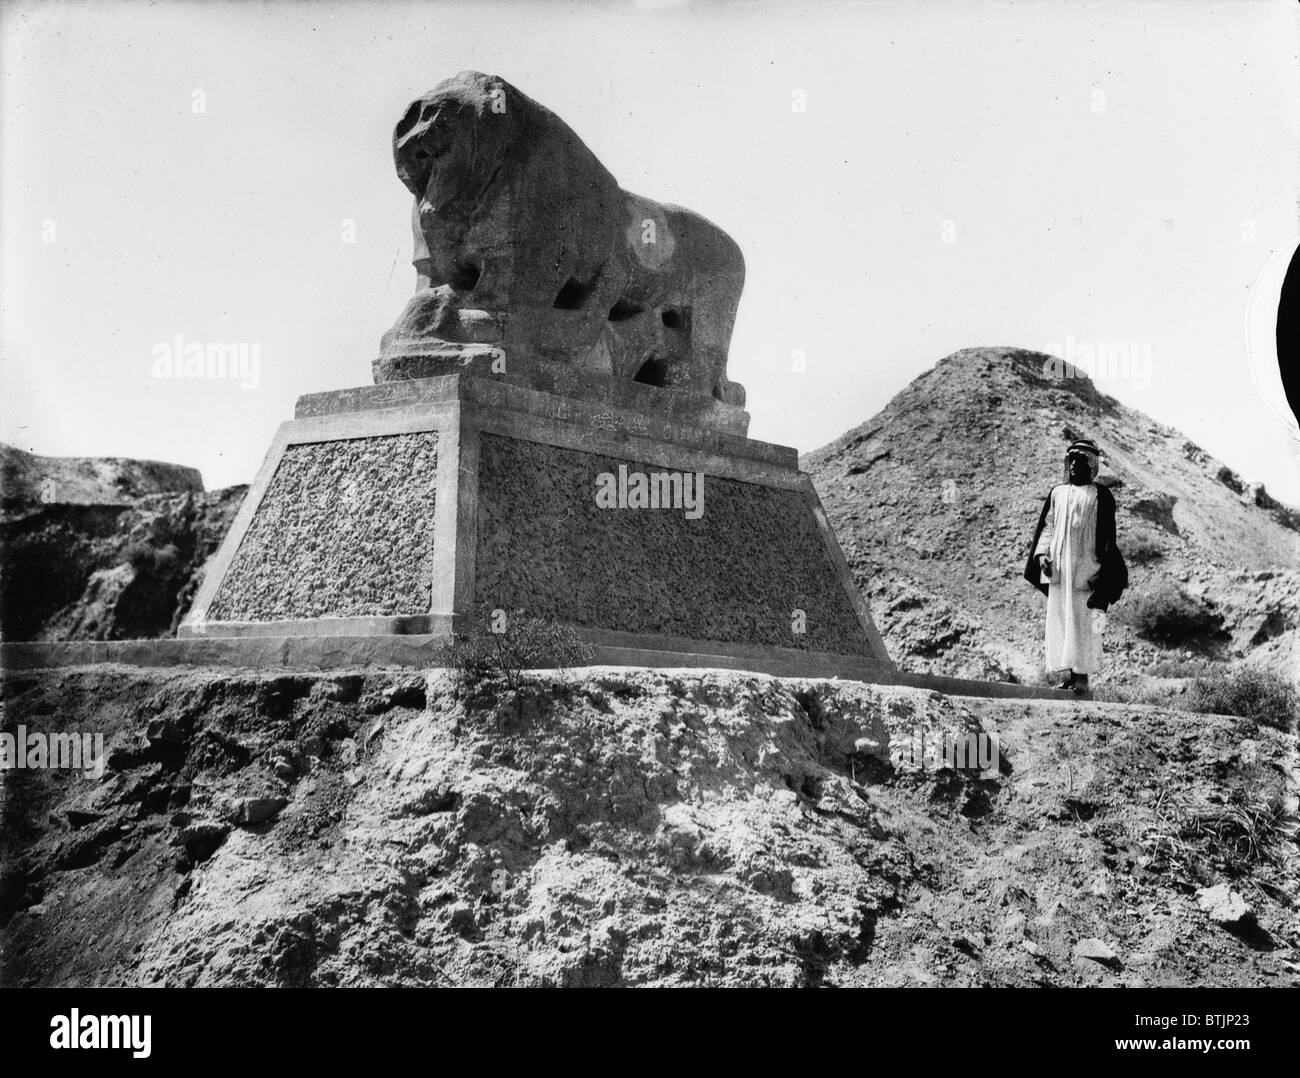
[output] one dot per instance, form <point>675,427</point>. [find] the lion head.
<point>449,143</point>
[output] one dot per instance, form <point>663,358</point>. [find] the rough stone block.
<point>344,528</point>
<point>738,573</point>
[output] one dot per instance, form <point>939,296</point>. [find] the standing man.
<point>1076,563</point>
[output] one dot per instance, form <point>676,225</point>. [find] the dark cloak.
<point>1112,577</point>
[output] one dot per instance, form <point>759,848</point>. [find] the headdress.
<point>1086,448</point>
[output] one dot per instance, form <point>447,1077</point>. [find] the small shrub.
<point>1288,517</point>
<point>139,555</point>
<point>1168,616</point>
<point>501,646</point>
<point>1142,549</point>
<point>146,557</point>
<point>1197,843</point>
<point>1244,833</point>
<point>1252,692</point>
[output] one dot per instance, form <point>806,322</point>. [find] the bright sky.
<point>962,174</point>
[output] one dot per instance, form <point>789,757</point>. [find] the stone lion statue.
<point>526,245</point>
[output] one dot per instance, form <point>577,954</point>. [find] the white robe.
<point>1069,539</point>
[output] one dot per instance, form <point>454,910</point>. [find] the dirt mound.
<point>103,549</point>
<point>27,479</point>
<point>935,498</point>
<point>633,828</point>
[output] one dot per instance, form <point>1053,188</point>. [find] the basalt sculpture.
<point>527,247</point>
<point>551,430</point>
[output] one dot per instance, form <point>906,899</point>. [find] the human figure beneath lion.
<point>1074,559</point>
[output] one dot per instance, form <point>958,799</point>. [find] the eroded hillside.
<point>103,548</point>
<point>634,828</point>
<point>934,501</point>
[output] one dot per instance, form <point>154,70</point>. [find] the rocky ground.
<point>624,827</point>
<point>627,827</point>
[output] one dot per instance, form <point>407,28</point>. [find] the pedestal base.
<point>408,509</point>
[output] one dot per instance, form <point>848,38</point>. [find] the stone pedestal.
<point>406,509</point>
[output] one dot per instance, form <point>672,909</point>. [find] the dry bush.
<point>1251,692</point>
<point>501,646</point>
<point>1168,616</point>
